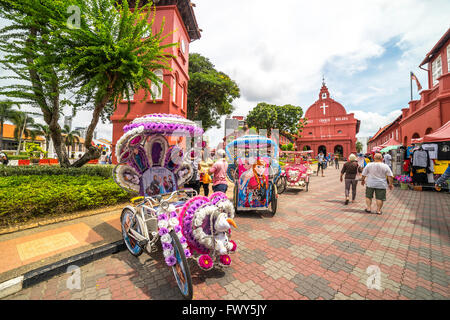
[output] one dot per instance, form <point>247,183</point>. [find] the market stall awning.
<point>390,142</point>
<point>389,148</point>
<point>441,134</point>
<point>416,140</point>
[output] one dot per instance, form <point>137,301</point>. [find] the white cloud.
<point>372,121</point>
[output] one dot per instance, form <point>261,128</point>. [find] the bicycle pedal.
<point>142,243</point>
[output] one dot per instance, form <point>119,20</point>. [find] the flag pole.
<point>410,83</point>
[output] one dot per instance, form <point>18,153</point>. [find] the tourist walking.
<point>194,183</point>
<point>205,178</point>
<point>388,160</point>
<point>336,161</point>
<point>377,174</point>
<point>219,171</point>
<point>320,163</point>
<point>351,169</point>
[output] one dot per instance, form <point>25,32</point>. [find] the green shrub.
<point>44,170</point>
<point>19,157</point>
<point>23,198</point>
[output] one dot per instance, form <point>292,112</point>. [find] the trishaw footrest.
<point>142,243</point>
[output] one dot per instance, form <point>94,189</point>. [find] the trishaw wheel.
<point>181,269</point>
<point>126,219</point>
<point>281,184</point>
<point>307,186</point>
<point>273,202</point>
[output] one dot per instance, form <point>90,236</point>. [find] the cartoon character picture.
<point>139,161</point>
<point>254,185</point>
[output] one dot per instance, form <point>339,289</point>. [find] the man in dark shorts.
<point>377,174</point>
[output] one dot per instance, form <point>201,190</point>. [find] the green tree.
<point>25,126</point>
<point>112,51</point>
<point>70,138</point>
<point>210,92</point>
<point>7,113</point>
<point>287,119</point>
<point>359,146</point>
<point>263,116</point>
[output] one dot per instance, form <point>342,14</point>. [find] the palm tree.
<point>359,146</point>
<point>25,126</point>
<point>6,114</point>
<point>71,137</point>
<point>44,130</point>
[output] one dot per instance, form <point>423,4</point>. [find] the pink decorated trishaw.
<point>153,165</point>
<point>296,172</point>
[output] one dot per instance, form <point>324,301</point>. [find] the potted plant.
<point>404,180</point>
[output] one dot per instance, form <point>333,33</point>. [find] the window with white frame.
<point>130,93</point>
<point>436,69</point>
<point>158,92</point>
<point>174,89</point>
<point>448,58</point>
<point>182,97</point>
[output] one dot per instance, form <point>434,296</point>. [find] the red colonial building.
<point>179,15</point>
<point>330,128</point>
<point>432,111</point>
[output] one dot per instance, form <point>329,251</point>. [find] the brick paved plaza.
<point>315,247</point>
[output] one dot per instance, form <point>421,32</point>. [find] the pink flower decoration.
<point>225,259</point>
<point>234,245</point>
<point>205,262</point>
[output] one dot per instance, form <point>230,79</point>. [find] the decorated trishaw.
<point>296,172</point>
<point>153,165</point>
<point>254,171</point>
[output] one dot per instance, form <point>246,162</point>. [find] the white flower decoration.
<point>168,253</point>
<point>165,238</point>
<point>173,222</point>
<point>163,224</point>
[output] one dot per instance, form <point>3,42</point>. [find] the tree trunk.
<point>92,152</point>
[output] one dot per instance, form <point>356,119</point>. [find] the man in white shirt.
<point>388,159</point>
<point>377,174</point>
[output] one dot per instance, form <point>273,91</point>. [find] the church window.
<point>155,90</point>
<point>436,70</point>
<point>339,131</point>
<point>448,58</point>
<point>310,133</point>
<point>174,89</point>
<point>324,95</point>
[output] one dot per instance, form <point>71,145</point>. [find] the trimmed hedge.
<point>23,198</point>
<point>91,170</point>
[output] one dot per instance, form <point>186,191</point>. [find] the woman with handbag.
<point>351,169</point>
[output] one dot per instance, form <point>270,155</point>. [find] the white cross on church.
<point>324,108</point>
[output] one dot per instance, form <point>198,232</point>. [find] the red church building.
<point>330,129</point>
<point>179,15</point>
<point>432,111</point>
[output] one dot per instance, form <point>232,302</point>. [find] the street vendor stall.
<point>438,146</point>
